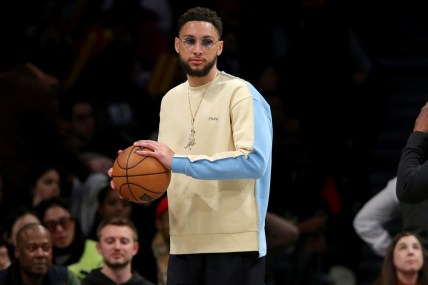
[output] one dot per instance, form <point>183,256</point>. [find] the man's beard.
<point>117,265</point>
<point>197,73</point>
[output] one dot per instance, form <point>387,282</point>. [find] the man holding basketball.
<point>215,134</point>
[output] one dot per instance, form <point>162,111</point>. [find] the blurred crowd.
<point>81,79</point>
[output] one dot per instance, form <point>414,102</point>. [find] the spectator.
<point>82,125</point>
<point>33,265</point>
<point>71,248</point>
<point>412,171</point>
<point>405,262</point>
<point>84,199</point>
<point>43,181</point>
<point>31,127</point>
<point>372,220</point>
<point>118,244</point>
<point>16,218</point>
<point>109,205</point>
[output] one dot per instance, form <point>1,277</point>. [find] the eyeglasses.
<point>65,223</point>
<point>206,43</point>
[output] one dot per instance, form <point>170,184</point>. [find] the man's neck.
<point>119,276</point>
<point>31,279</point>
<point>195,81</point>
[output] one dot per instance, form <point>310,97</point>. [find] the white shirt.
<point>369,223</point>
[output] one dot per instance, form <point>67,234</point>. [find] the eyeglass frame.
<point>188,45</point>
<point>64,222</point>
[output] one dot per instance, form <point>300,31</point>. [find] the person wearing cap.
<point>160,242</point>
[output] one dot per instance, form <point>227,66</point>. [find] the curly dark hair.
<point>201,14</point>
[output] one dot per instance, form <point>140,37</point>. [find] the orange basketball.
<point>140,179</point>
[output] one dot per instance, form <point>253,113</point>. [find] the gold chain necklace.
<point>192,140</point>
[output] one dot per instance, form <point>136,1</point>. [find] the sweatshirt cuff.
<point>178,164</point>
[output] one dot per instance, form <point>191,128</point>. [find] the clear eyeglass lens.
<point>207,43</point>
<point>191,42</point>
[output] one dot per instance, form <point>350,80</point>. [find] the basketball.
<point>140,179</point>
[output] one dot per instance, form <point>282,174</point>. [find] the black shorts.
<point>236,268</point>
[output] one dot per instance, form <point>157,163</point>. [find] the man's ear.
<point>136,247</point>
<point>177,45</point>
<point>220,48</point>
<point>17,252</point>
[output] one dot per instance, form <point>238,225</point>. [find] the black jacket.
<point>57,275</point>
<point>412,178</point>
<point>95,277</point>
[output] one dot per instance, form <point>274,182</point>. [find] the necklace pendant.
<point>192,140</point>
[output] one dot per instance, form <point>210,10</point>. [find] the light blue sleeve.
<point>237,165</point>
